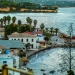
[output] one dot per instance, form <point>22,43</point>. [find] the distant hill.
<point>61,3</point>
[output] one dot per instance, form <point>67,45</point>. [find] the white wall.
<point>40,38</point>
<point>16,61</point>
<point>25,41</point>
<point>57,40</point>
<point>9,63</point>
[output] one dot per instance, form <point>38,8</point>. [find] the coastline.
<point>31,53</point>
<point>24,10</point>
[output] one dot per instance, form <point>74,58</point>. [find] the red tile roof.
<point>38,32</point>
<point>1,47</point>
<point>29,33</point>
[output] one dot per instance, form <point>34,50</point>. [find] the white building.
<point>6,59</point>
<point>39,36</point>
<point>25,38</point>
<point>57,40</point>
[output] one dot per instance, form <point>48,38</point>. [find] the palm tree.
<point>13,19</point>
<point>1,20</point>
<point>19,24</point>
<point>46,29</point>
<point>51,30</point>
<point>30,21</point>
<point>27,19</point>
<point>42,27</point>
<point>56,30</point>
<point>8,19</point>
<point>4,19</point>
<point>35,22</point>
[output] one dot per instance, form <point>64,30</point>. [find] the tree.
<point>56,30</point>
<point>30,21</point>
<point>68,57</point>
<point>22,29</point>
<point>27,19</point>
<point>10,29</point>
<point>4,19</point>
<point>8,19</point>
<point>46,29</point>
<point>13,19</point>
<point>35,22</point>
<point>1,20</point>
<point>51,30</point>
<point>19,24</point>
<point>42,27</point>
<point>27,46</point>
<point>46,38</point>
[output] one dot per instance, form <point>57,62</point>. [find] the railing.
<point>5,69</point>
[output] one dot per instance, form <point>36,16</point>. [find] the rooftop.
<point>38,32</point>
<point>11,44</point>
<point>16,34</point>
<point>28,33</point>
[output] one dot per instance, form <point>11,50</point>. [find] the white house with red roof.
<point>39,36</point>
<point>26,37</point>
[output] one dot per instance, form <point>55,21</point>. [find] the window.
<point>32,40</point>
<point>22,40</point>
<point>4,62</point>
<point>27,40</point>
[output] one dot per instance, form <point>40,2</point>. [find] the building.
<point>11,61</point>
<point>57,40</point>
<point>13,45</point>
<point>6,59</point>
<point>25,38</point>
<point>39,36</point>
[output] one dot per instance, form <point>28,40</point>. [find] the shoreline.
<point>31,53</point>
<point>24,10</point>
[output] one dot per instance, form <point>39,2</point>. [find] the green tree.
<point>27,19</point>
<point>27,27</point>
<point>46,38</point>
<point>19,24</point>
<point>30,21</point>
<point>51,30</point>
<point>8,19</point>
<point>1,20</point>
<point>42,27</point>
<point>22,29</point>
<point>46,29</point>
<point>4,20</point>
<point>35,22</point>
<point>13,19</point>
<point>27,46</point>
<point>10,29</point>
<point>56,30</point>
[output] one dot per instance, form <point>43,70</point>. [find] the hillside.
<point>60,3</point>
